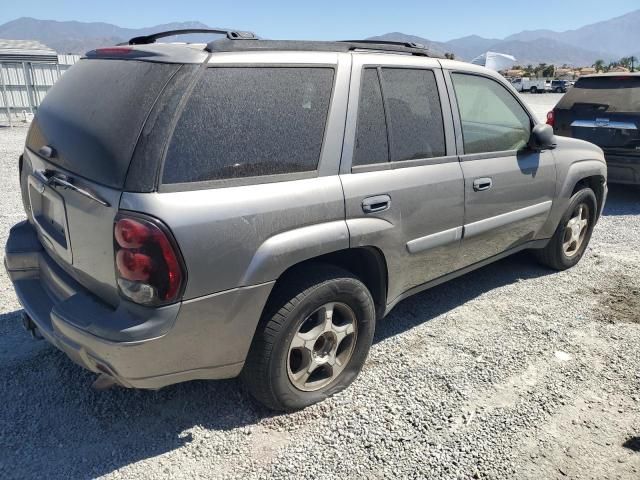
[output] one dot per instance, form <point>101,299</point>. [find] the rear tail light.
<point>149,269</point>
<point>551,118</point>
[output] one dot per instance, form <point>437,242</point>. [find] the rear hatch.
<point>77,155</point>
<point>604,110</point>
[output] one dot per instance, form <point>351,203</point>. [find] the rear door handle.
<point>482,184</point>
<point>379,203</point>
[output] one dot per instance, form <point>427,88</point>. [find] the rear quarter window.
<point>250,121</point>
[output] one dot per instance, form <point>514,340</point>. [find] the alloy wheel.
<point>322,347</point>
<point>576,230</point>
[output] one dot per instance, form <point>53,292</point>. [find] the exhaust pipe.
<point>31,327</point>
<point>103,382</point>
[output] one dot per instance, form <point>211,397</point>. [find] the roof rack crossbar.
<point>388,42</point>
<point>230,34</point>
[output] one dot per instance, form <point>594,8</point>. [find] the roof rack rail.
<point>387,42</point>
<point>230,34</point>
<point>224,45</point>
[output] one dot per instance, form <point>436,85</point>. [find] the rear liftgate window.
<point>603,95</point>
<point>92,116</point>
<point>250,121</point>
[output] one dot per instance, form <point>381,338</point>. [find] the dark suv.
<point>253,207</point>
<point>605,110</point>
<point>560,86</point>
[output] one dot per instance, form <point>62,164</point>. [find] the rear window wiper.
<point>53,178</point>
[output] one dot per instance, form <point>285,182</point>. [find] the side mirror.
<point>542,137</point>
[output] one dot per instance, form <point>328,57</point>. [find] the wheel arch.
<point>366,262</point>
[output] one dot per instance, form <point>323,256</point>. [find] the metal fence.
<point>23,85</point>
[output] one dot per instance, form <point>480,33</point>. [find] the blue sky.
<point>330,19</point>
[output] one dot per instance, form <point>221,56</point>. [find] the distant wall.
<point>23,85</point>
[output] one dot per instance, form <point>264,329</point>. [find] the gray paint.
<point>237,239</point>
<point>434,240</point>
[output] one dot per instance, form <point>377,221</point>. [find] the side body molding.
<point>482,226</point>
<point>285,249</point>
<point>435,240</point>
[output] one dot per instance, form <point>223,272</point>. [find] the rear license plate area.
<point>49,213</point>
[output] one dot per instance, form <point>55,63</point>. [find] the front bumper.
<point>139,347</point>
<point>623,169</point>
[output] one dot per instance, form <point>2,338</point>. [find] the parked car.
<point>605,110</point>
<point>560,86</point>
<point>253,207</point>
<point>532,85</point>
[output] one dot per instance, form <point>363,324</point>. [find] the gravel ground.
<point>512,371</point>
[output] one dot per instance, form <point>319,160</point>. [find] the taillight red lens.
<point>134,266</point>
<point>147,261</point>
<point>131,233</point>
<point>551,117</point>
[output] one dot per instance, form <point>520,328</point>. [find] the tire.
<point>296,311</point>
<point>533,90</point>
<point>556,255</point>
<point>558,90</point>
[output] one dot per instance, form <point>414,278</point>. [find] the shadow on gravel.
<point>632,444</point>
<point>623,200</point>
<point>56,426</point>
<point>431,303</point>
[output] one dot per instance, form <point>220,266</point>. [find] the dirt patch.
<point>620,302</point>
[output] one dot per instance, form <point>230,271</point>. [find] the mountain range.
<point>607,40</point>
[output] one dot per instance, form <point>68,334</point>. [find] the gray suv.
<point>252,208</point>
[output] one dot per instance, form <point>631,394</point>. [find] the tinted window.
<point>604,94</point>
<point>492,120</point>
<point>414,112</point>
<point>93,115</point>
<point>248,121</point>
<point>371,136</point>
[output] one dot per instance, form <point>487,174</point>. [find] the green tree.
<point>598,65</point>
<point>529,71</point>
<point>450,56</point>
<point>633,61</point>
<point>549,71</point>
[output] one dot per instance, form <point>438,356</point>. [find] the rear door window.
<point>492,119</point>
<point>250,121</point>
<point>371,135</point>
<point>416,127</point>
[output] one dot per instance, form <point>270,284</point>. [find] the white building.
<point>28,69</point>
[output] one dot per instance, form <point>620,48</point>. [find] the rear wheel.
<point>533,90</point>
<point>570,240</point>
<point>313,339</point>
<point>558,90</point>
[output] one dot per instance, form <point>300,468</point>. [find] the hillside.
<point>80,37</point>
<point>607,40</point>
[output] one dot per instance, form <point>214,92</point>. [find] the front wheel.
<point>313,339</point>
<point>570,240</point>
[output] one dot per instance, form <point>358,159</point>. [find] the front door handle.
<point>379,203</point>
<point>482,184</point>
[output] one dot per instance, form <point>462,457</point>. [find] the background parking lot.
<point>513,371</point>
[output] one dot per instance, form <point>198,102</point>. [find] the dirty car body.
<point>169,190</point>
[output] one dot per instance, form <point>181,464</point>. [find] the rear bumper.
<point>139,347</point>
<point>623,169</point>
